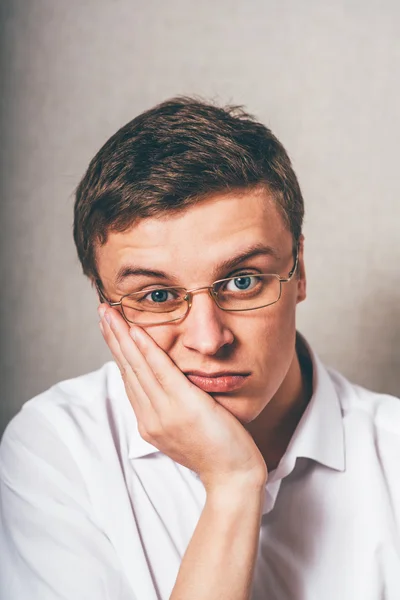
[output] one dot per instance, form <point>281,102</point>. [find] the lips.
<point>217,382</point>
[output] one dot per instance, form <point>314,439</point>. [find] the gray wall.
<point>323,75</point>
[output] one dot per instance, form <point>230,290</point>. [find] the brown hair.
<point>171,156</point>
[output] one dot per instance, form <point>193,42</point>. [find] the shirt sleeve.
<point>51,547</point>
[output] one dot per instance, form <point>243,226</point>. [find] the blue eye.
<point>159,296</point>
<point>241,284</point>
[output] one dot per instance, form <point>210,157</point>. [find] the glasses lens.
<point>247,292</point>
<point>155,305</point>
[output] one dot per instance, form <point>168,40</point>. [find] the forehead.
<point>193,241</point>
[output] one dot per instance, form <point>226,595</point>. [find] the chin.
<point>244,408</point>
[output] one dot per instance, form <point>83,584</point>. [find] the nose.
<point>204,328</point>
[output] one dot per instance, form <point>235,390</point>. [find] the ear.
<point>301,273</point>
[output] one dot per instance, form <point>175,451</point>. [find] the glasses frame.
<point>189,295</point>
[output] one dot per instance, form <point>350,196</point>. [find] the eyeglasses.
<point>157,305</point>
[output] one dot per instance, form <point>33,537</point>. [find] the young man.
<point>216,457</point>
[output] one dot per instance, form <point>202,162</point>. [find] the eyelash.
<point>241,273</point>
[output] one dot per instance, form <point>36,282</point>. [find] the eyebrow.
<point>226,265</point>
<point>251,252</point>
<point>129,271</point>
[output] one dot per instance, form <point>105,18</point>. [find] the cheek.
<point>164,335</point>
<point>270,325</point>
<point>269,340</point>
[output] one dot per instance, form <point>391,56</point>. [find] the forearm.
<point>219,561</point>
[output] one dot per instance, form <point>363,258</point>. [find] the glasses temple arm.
<point>100,292</point>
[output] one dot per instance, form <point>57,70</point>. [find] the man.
<point>216,457</point>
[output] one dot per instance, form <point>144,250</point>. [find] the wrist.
<point>228,504</point>
<point>236,487</point>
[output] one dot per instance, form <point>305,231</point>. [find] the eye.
<point>160,296</point>
<point>242,283</point>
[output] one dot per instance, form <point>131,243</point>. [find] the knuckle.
<point>124,368</point>
<point>143,432</point>
<point>127,370</point>
<point>150,432</point>
<point>161,377</point>
<point>136,370</point>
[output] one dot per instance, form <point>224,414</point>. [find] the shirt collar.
<point>319,435</point>
<point>139,448</point>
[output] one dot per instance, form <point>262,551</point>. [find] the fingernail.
<point>132,333</point>
<point>101,327</point>
<point>101,310</point>
<point>107,317</point>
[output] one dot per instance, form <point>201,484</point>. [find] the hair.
<point>172,156</point>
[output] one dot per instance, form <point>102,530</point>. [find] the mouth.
<point>217,382</point>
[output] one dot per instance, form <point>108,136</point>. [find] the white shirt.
<point>90,511</point>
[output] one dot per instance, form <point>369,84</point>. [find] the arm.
<point>219,561</point>
<point>190,427</point>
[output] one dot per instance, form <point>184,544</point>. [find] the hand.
<point>175,416</point>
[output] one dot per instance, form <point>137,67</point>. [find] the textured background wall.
<point>323,75</point>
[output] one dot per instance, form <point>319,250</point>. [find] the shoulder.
<point>58,462</point>
<point>67,399</point>
<point>360,405</point>
<point>67,420</point>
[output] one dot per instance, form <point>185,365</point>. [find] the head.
<point>174,198</point>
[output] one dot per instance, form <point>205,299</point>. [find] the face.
<point>192,250</point>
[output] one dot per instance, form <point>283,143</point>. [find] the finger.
<point>135,361</point>
<point>112,343</point>
<point>170,377</point>
<point>138,398</point>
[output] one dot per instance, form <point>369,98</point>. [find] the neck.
<point>273,429</point>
